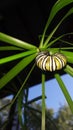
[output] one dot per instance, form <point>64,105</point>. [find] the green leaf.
<point>16,70</point>
<point>69,55</point>
<point>69,70</point>
<point>66,48</point>
<point>9,48</point>
<point>65,91</point>
<point>23,85</point>
<point>16,42</point>
<point>65,42</point>
<point>16,56</point>
<point>55,9</point>
<point>54,30</point>
<point>59,39</point>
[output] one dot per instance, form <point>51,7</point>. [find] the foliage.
<point>64,118</point>
<point>4,110</point>
<point>33,114</point>
<point>28,52</point>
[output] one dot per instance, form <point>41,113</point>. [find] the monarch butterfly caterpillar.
<point>48,62</point>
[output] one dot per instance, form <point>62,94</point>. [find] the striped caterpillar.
<point>48,62</point>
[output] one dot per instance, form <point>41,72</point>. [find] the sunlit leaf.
<point>16,56</point>
<point>69,70</point>
<point>15,42</point>
<point>69,55</point>
<point>9,48</point>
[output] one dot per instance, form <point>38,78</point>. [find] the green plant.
<point>29,53</point>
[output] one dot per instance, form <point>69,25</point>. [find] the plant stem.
<point>23,85</point>
<point>43,102</point>
<point>65,91</point>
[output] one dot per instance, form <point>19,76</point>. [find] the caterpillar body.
<point>48,62</point>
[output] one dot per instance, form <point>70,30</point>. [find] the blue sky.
<point>55,98</point>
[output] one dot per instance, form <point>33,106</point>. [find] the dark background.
<point>25,20</point>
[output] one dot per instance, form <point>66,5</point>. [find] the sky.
<point>55,98</point>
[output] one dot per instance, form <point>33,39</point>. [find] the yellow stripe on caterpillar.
<point>48,62</point>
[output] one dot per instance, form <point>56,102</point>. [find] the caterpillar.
<point>48,62</point>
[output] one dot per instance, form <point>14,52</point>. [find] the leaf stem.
<point>43,102</point>
<point>65,91</point>
<point>23,84</point>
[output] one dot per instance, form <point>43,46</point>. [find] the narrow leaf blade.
<point>69,56</point>
<point>9,48</point>
<point>16,70</point>
<point>16,56</point>
<point>55,9</point>
<point>16,42</point>
<point>69,70</point>
<point>65,91</point>
<point>55,29</point>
